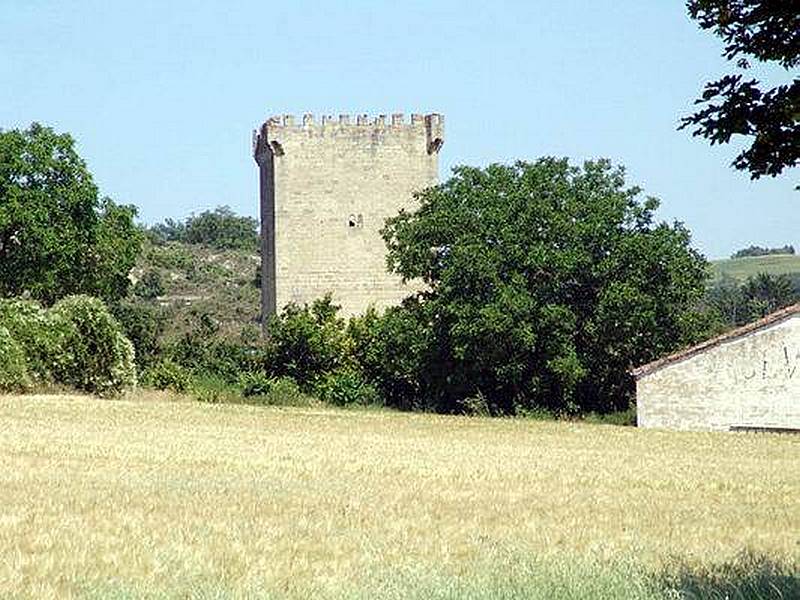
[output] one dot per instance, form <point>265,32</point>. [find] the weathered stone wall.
<point>326,190</point>
<point>752,380</point>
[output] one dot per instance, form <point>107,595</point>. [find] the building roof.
<point>770,319</point>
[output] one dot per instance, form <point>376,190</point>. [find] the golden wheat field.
<point>158,498</point>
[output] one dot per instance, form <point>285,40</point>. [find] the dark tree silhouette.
<point>767,31</point>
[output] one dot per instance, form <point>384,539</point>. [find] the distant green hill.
<point>742,268</point>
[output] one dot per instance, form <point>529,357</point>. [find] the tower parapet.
<point>276,128</point>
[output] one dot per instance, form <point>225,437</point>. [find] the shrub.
<point>346,387</point>
<point>95,355</point>
<point>13,370</point>
<point>622,418</point>
<point>255,384</point>
<point>286,392</point>
<point>143,325</point>
<point>305,342</point>
<point>393,352</point>
<point>168,231</point>
<point>202,354</point>
<point>170,256</point>
<point>476,405</point>
<point>150,286</point>
<point>214,390</point>
<point>167,375</point>
<point>272,391</point>
<point>38,336</point>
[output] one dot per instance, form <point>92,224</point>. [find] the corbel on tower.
<point>434,131</point>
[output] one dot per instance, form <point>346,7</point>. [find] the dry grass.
<point>130,498</point>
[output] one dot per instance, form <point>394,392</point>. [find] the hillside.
<point>196,279</point>
<point>188,280</point>
<point>742,268</point>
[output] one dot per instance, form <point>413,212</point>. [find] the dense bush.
<point>40,337</point>
<point>219,228</point>
<point>393,352</point>
<point>167,375</point>
<point>13,371</point>
<point>255,383</point>
<point>171,256</point>
<point>305,342</point>
<point>143,325</point>
<point>740,303</point>
<point>76,343</point>
<point>284,391</point>
<point>167,231</point>
<point>150,286</point>
<point>97,357</point>
<point>223,229</point>
<point>206,355</point>
<point>213,390</point>
<point>345,387</point>
<point>272,391</point>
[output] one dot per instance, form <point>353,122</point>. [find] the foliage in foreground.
<point>765,31</point>
<point>13,370</point>
<point>76,343</point>
<point>57,236</point>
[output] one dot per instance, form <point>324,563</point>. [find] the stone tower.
<point>326,189</point>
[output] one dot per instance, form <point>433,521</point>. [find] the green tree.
<point>305,342</point>
<point>545,283</point>
<point>726,297</point>
<point>739,304</point>
<point>150,286</point>
<point>56,237</point>
<point>223,229</point>
<point>767,31</point>
<point>759,251</point>
<point>167,231</point>
<point>764,293</point>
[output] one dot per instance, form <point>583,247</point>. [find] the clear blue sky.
<point>162,96</point>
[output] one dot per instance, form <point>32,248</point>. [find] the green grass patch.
<point>742,268</point>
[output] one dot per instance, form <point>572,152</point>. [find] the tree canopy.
<point>220,228</point>
<point>545,282</point>
<point>767,31</point>
<point>57,237</point>
<point>759,251</point>
<point>741,303</point>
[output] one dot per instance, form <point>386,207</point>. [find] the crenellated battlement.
<point>271,134</point>
<point>361,120</point>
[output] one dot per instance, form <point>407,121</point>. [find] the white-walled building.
<point>748,378</point>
